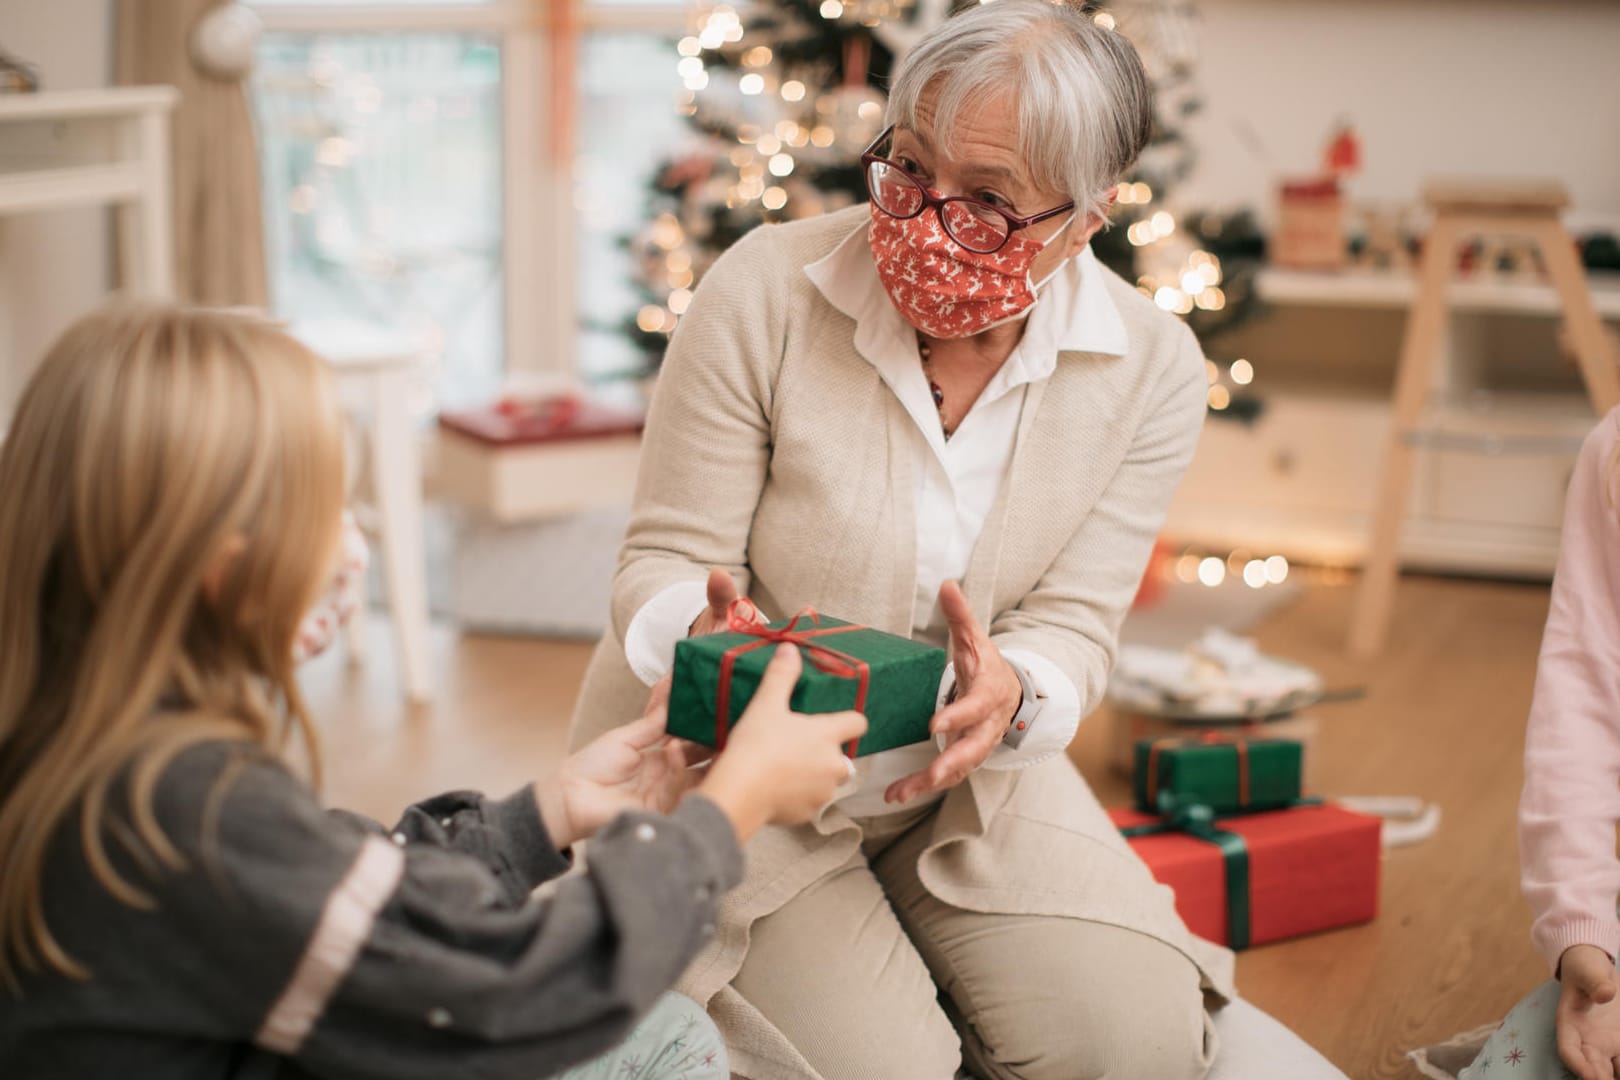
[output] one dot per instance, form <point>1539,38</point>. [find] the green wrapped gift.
<point>1227,773</point>
<point>900,678</point>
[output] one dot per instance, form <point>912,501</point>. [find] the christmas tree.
<point>788,101</point>
<point>791,98</point>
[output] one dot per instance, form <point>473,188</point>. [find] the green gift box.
<point>901,679</point>
<point>1227,773</point>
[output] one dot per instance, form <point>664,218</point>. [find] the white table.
<point>97,147</point>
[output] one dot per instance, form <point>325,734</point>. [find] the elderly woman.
<point>857,413</point>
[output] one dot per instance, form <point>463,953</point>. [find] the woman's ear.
<point>220,563</point>
<point>1085,228</point>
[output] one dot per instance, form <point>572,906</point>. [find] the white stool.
<point>374,367</point>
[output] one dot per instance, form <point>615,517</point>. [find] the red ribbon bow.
<point>742,617</point>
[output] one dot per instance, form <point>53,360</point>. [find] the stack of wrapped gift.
<point>1222,822</point>
<point>893,680</point>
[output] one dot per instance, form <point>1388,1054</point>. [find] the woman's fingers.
<point>953,765</point>
<point>974,707</point>
<point>964,755</point>
<point>954,606</point>
<point>722,591</point>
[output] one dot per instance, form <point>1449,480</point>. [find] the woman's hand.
<point>634,767</point>
<point>722,591</point>
<point>780,767</point>
<point>987,698</point>
<point>1588,1014</point>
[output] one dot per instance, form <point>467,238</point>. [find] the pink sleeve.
<point>1571,798</point>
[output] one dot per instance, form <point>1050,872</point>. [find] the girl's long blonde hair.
<point>170,496</point>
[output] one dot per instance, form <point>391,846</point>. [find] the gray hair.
<point>1085,108</point>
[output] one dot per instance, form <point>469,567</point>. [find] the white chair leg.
<point>397,479</point>
<point>354,635</point>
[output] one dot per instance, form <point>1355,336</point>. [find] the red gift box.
<point>1310,868</point>
<point>519,422</point>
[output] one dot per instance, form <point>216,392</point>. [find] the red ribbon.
<point>1211,738</point>
<point>742,617</point>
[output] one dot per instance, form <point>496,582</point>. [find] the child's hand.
<point>633,767</point>
<point>1588,1014</point>
<point>781,767</point>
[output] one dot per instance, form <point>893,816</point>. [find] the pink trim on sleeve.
<point>345,924</point>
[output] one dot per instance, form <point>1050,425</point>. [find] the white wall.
<point>1452,87</point>
<point>53,266</point>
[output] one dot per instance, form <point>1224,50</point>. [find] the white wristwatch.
<point>1024,718</point>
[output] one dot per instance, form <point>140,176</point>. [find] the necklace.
<point>926,351</point>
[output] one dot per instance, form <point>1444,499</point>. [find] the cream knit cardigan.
<point>775,450</point>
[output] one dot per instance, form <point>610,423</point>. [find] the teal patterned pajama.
<point>676,1041</point>
<point>1525,1047</point>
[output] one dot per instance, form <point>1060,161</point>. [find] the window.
<point>628,129</point>
<point>381,165</point>
<point>403,145</point>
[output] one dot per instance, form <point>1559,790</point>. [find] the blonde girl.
<point>173,900</point>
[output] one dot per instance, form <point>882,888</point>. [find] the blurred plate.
<point>1285,688</point>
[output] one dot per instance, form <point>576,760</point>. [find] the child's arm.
<point>503,834</point>
<point>1571,798</point>
<point>362,957</point>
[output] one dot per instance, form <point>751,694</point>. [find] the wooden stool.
<point>1529,210</point>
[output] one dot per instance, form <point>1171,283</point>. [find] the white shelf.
<point>66,104</point>
<point>1396,289</point>
<point>50,189</point>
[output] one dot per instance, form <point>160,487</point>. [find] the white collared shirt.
<point>956,485</point>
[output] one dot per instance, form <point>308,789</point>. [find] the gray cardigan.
<point>260,959</point>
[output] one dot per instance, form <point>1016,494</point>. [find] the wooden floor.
<point>1443,718</point>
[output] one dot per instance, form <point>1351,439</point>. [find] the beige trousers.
<point>872,978</point>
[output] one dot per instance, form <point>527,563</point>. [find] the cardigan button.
<point>646,833</point>
<point>398,838</point>
<point>438,1017</point>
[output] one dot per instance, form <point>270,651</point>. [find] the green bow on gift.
<point>1198,819</point>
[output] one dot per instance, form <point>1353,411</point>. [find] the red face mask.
<point>941,287</point>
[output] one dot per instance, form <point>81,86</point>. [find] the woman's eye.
<point>909,164</point>
<point>993,199</point>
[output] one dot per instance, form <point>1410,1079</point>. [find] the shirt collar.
<point>1074,312</point>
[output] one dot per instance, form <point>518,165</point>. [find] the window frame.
<point>539,229</point>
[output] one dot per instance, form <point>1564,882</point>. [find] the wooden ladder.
<point>1462,210</point>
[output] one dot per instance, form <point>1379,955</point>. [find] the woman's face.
<point>985,165</point>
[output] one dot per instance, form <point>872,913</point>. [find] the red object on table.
<point>523,422</point>
<point>1311,868</point>
<point>1343,153</point>
<point>1315,187</point>
<point>1155,578</point>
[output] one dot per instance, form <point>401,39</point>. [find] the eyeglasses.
<point>977,226</point>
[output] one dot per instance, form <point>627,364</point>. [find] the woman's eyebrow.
<point>999,172</point>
